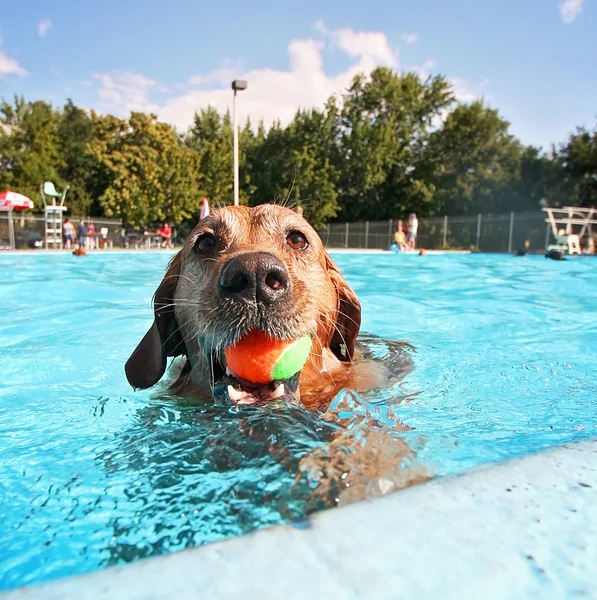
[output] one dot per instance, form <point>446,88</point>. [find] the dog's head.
<point>242,269</point>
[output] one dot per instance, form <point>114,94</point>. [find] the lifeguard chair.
<point>563,222</point>
<point>54,212</point>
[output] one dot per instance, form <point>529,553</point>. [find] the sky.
<point>533,60</point>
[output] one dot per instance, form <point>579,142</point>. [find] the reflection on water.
<point>207,473</point>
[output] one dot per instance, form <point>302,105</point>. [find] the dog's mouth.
<point>230,389</point>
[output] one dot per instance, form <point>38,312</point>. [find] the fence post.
<point>327,235</point>
<point>547,232</point>
<point>511,233</point>
<point>389,234</point>
<point>366,234</point>
<point>11,229</point>
<point>445,230</point>
<point>346,236</point>
<point>478,230</point>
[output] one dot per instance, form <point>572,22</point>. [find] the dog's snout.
<point>257,276</point>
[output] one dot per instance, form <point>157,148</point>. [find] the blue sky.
<point>534,60</point>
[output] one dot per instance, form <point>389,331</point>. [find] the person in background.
<point>68,233</point>
<point>91,235</point>
<point>413,227</point>
<point>165,232</point>
<point>81,230</point>
<point>399,237</point>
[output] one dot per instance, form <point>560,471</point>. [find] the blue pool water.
<point>92,474</point>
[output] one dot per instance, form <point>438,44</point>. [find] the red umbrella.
<point>14,200</point>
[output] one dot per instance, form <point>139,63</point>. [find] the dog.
<point>554,255</point>
<point>245,268</point>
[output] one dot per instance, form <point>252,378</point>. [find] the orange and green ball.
<point>261,359</point>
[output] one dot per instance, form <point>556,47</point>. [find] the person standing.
<point>165,232</point>
<point>81,231</point>
<point>68,233</point>
<point>91,235</point>
<point>413,228</point>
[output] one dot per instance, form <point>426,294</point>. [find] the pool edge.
<point>520,528</point>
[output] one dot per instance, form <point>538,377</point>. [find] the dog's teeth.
<point>234,394</point>
<point>228,371</point>
<point>279,391</point>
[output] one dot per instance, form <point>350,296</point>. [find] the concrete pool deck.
<point>525,528</point>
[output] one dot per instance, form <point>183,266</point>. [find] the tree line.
<point>392,144</point>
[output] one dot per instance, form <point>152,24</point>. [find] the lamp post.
<point>238,85</point>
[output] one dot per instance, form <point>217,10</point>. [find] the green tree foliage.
<point>386,123</point>
<point>475,162</point>
<point>578,159</point>
<point>295,165</point>
<point>148,176</point>
<point>75,130</point>
<point>393,143</point>
<point>29,147</point>
<point>211,138</point>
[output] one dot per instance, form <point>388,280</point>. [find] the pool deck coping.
<point>525,528</point>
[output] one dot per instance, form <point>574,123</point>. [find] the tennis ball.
<point>260,359</point>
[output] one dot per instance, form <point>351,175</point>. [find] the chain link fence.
<point>31,227</point>
<point>485,233</point>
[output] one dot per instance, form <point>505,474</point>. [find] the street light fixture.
<point>238,85</point>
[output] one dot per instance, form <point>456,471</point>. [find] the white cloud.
<point>463,91</point>
<point>424,70</point>
<point>409,37</point>
<point>373,44</point>
<point>277,94</point>
<point>9,66</point>
<point>570,9</point>
<point>43,27</point>
<point>223,75</point>
<point>126,92</point>
<point>271,94</point>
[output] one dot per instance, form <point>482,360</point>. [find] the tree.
<point>396,143</point>
<point>541,179</point>
<point>294,165</point>
<point>474,162</point>
<point>29,146</point>
<point>386,121</point>
<point>75,130</point>
<point>211,138</point>
<point>578,159</point>
<point>146,174</point>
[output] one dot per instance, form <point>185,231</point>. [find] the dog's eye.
<point>205,243</point>
<point>297,241</point>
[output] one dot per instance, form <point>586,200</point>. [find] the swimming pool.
<point>92,474</point>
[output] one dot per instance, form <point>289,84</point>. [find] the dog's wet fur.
<point>254,268</point>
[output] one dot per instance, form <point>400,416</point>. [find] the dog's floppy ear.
<point>348,319</point>
<point>147,363</point>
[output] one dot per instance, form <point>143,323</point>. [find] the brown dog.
<point>253,268</point>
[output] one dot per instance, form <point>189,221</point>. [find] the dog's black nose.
<point>256,276</point>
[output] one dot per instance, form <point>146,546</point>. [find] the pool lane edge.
<point>524,528</point>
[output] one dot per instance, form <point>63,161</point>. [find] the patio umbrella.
<point>10,201</point>
<point>14,200</point>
